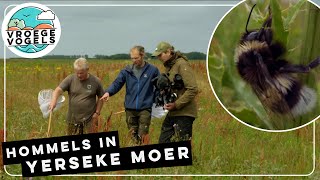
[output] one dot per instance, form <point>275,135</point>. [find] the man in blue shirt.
<point>139,92</point>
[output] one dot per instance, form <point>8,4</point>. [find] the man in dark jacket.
<point>183,111</point>
<point>139,92</point>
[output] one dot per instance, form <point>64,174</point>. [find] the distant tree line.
<point>121,56</point>
<point>190,55</point>
<point>64,56</point>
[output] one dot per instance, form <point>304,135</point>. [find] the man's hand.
<point>105,97</point>
<point>170,106</point>
<point>52,105</point>
<point>95,115</point>
<point>56,93</point>
<point>95,123</point>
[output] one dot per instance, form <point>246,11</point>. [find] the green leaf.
<point>252,103</point>
<point>280,34</point>
<point>246,116</point>
<point>216,69</point>
<point>292,13</point>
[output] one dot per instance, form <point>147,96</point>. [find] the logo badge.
<point>89,86</point>
<point>145,75</point>
<point>31,30</point>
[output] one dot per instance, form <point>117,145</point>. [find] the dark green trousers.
<point>138,122</point>
<point>176,128</point>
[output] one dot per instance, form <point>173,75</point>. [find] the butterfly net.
<point>44,99</point>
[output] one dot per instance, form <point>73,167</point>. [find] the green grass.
<point>220,145</point>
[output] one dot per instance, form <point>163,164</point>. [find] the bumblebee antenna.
<point>249,17</point>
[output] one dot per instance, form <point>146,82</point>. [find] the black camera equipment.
<point>165,88</point>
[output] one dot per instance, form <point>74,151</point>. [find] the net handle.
<point>49,124</point>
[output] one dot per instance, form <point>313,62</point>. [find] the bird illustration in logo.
<point>31,18</point>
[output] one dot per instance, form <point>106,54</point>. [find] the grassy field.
<point>220,145</point>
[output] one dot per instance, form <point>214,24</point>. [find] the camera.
<point>164,88</point>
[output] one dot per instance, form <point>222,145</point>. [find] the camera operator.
<point>177,125</point>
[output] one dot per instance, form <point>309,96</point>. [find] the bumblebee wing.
<point>277,108</point>
<point>272,93</point>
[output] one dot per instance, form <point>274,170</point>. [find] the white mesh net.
<point>44,99</point>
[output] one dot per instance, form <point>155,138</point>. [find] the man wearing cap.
<point>183,111</point>
<point>83,89</point>
<point>139,93</point>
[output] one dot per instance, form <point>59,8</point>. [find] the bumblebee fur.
<point>260,64</point>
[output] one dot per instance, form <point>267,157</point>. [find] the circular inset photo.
<point>264,63</point>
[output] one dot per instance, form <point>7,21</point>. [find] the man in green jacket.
<point>183,111</point>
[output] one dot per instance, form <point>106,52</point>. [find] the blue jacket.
<point>139,91</point>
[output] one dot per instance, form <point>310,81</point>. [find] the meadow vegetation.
<point>220,145</point>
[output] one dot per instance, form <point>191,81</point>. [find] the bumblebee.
<point>260,64</point>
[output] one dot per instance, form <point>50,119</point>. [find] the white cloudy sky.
<point>109,30</point>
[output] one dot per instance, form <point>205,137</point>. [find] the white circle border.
<point>208,75</point>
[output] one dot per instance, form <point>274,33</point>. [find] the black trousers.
<point>176,128</point>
